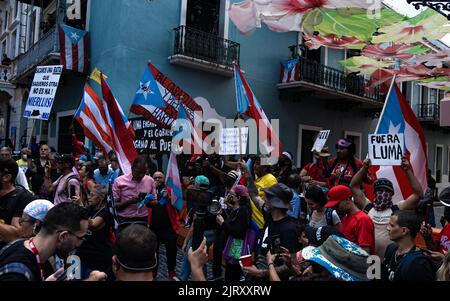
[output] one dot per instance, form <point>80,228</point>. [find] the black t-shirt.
<point>12,205</point>
<point>285,229</point>
<point>17,253</point>
<point>96,252</point>
<point>412,266</point>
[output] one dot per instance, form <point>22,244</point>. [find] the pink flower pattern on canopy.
<point>388,53</point>
<point>283,15</point>
<point>434,59</point>
<point>315,42</point>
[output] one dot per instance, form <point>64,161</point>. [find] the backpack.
<point>328,216</point>
<point>15,267</point>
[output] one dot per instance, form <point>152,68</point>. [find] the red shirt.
<point>315,171</point>
<point>343,173</point>
<point>444,239</point>
<point>358,228</point>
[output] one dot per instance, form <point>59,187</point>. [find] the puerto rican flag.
<point>398,118</point>
<point>247,104</point>
<point>74,47</point>
<point>105,124</point>
<point>290,71</point>
<point>122,132</point>
<point>91,115</point>
<point>173,181</point>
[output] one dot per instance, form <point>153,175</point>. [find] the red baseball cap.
<point>338,194</point>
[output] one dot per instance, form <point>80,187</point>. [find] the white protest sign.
<point>321,141</point>
<point>386,149</point>
<point>229,141</point>
<point>42,92</point>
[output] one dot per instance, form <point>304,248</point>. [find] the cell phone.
<point>275,244</point>
<point>72,190</point>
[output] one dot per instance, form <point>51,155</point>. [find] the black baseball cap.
<point>383,183</point>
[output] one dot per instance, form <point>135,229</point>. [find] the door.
<point>438,163</point>
<point>308,137</point>
<point>64,135</point>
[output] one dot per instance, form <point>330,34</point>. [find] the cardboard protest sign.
<point>229,141</point>
<point>386,149</point>
<point>321,141</point>
<point>43,91</point>
<point>150,138</point>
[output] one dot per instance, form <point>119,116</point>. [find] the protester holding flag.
<point>163,219</point>
<point>381,209</point>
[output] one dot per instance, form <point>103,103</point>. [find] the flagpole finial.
<point>149,61</point>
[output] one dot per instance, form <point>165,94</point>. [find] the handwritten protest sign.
<point>386,149</point>
<point>43,91</point>
<point>151,139</point>
<point>321,141</point>
<point>229,141</point>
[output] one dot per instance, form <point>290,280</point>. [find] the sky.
<point>403,7</point>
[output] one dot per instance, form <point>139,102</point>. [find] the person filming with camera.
<point>164,222</point>
<point>235,227</point>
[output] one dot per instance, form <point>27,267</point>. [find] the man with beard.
<point>164,222</point>
<point>381,210</point>
<point>63,230</point>
<point>13,200</point>
<point>345,165</point>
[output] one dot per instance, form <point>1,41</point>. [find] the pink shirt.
<point>125,188</point>
<point>63,189</point>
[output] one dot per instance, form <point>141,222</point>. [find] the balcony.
<point>331,83</point>
<point>42,52</point>
<point>5,73</point>
<point>428,113</point>
<point>203,51</point>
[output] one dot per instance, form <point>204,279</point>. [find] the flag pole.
<point>385,102</point>
<point>240,138</point>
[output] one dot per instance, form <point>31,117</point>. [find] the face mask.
<point>315,160</point>
<point>383,200</point>
<point>24,156</point>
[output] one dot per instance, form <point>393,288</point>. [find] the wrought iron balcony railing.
<point>204,46</point>
<point>313,72</point>
<point>428,112</point>
<point>48,44</point>
<point>5,73</point>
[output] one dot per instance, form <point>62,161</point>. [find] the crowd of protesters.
<point>258,222</point>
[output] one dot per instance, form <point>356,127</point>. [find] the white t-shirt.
<point>380,221</point>
<point>322,221</point>
<point>21,179</point>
